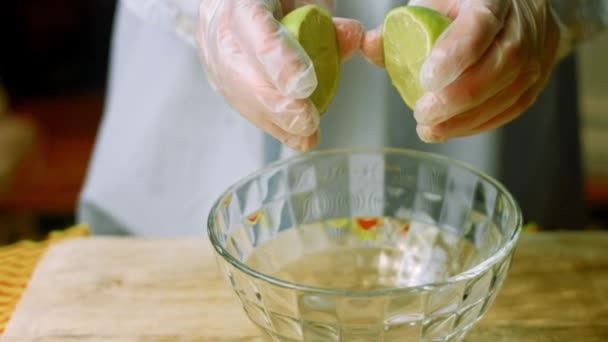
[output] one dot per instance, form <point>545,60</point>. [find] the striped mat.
<point>17,263</point>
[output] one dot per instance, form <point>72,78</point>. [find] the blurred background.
<point>53,69</point>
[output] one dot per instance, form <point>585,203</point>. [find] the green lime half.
<point>314,29</point>
<point>408,35</point>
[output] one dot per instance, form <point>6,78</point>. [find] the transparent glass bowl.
<point>365,245</point>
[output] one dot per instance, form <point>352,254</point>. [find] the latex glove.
<point>486,69</point>
<point>258,67</point>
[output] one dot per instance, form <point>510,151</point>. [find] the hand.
<point>263,73</point>
<point>486,69</point>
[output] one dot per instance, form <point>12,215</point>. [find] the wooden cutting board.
<point>112,289</point>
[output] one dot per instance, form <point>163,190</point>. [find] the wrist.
<point>289,5</point>
<point>579,20</point>
<point>566,41</point>
<point>329,5</point>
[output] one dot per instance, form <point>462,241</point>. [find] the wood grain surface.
<point>111,289</point>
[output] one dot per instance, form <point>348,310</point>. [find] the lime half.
<point>314,29</point>
<point>408,35</point>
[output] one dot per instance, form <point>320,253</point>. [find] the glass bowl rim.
<point>468,274</point>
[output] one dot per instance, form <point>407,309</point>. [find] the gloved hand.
<point>263,73</point>
<point>486,69</point>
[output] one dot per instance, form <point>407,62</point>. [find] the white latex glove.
<point>262,72</point>
<point>486,69</point>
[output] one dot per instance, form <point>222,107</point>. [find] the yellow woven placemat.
<point>17,263</point>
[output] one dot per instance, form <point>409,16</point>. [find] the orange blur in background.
<point>53,70</point>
